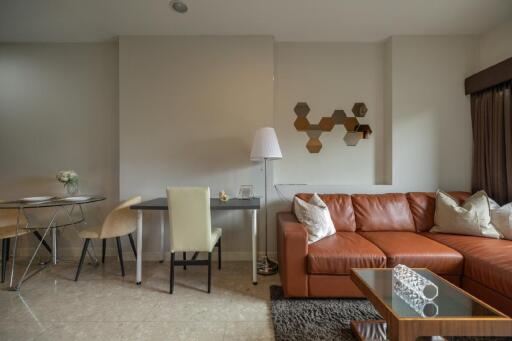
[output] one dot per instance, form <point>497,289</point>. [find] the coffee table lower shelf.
<point>369,330</point>
<point>375,330</point>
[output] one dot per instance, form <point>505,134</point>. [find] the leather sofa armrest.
<point>292,246</point>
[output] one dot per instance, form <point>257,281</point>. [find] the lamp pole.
<point>266,266</point>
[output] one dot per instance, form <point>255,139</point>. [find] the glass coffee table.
<point>453,312</point>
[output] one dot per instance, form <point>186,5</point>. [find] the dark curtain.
<point>491,112</point>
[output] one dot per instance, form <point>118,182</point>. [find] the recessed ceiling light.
<point>179,6</point>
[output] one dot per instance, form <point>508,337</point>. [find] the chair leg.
<point>219,251</point>
<point>171,282</point>
<point>120,253</point>
<point>209,271</point>
<point>84,252</point>
<point>8,250</point>
<point>103,248</point>
<point>45,244</point>
<point>5,256</point>
<point>184,259</point>
<point>132,243</point>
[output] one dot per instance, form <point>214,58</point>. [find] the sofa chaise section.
<point>487,267</point>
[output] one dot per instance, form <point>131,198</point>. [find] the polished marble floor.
<point>102,305</point>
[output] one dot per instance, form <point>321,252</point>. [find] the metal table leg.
<point>254,245</point>
<point>138,276</point>
<point>20,211</point>
<point>54,245</point>
<point>20,282</point>
<point>162,241</point>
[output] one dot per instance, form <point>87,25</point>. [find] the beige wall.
<point>431,120</point>
<point>58,110</point>
<point>189,107</point>
<point>496,45</point>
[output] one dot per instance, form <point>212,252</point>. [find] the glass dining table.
<point>65,205</point>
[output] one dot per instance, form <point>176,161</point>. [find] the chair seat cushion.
<point>216,234</point>
<point>487,261</point>
<point>337,254</point>
<point>92,232</point>
<point>416,251</point>
<point>10,231</point>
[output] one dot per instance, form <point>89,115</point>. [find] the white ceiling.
<point>286,20</point>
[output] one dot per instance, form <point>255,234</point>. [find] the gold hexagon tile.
<point>301,124</point>
<point>314,145</point>
<point>351,123</point>
<point>326,123</point>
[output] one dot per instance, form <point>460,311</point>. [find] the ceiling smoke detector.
<point>179,6</point>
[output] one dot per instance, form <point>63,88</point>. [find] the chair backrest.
<point>189,218</point>
<point>121,220</point>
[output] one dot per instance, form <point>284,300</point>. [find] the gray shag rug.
<point>316,319</point>
<point>325,319</point>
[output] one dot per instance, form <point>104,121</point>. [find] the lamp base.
<point>267,267</point>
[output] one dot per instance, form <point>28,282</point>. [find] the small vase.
<point>72,187</point>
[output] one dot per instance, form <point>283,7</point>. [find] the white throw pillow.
<point>473,218</point>
<point>315,217</point>
<point>501,218</point>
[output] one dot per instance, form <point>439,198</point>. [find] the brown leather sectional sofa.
<point>383,230</point>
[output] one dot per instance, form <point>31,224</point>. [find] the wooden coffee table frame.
<point>409,328</point>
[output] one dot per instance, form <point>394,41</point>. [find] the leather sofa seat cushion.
<point>382,212</point>
<point>487,261</point>
<point>423,207</point>
<point>340,208</point>
<point>416,251</point>
<point>337,254</point>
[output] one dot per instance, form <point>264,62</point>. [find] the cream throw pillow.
<point>501,218</point>
<point>315,217</point>
<point>472,218</point>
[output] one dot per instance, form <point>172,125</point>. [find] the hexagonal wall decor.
<point>352,138</point>
<point>301,124</point>
<point>339,116</point>
<point>314,145</point>
<point>351,123</point>
<point>301,109</point>
<point>359,109</point>
<point>314,133</point>
<point>354,130</point>
<point>365,129</point>
<point>326,123</point>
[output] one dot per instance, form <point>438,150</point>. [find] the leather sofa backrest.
<point>382,212</point>
<point>423,206</point>
<point>340,208</point>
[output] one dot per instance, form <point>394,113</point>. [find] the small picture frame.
<point>245,192</point>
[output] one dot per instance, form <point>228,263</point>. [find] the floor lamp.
<point>266,147</point>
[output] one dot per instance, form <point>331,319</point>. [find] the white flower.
<point>67,176</point>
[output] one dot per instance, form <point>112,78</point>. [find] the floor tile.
<point>104,305</point>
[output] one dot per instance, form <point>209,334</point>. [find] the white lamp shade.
<point>265,145</point>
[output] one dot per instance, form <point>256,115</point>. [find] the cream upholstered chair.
<point>8,225</point>
<point>191,231</point>
<point>120,222</point>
